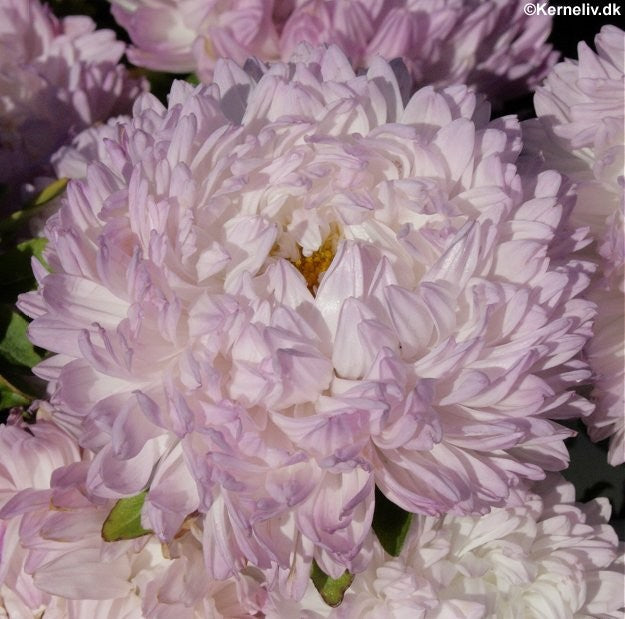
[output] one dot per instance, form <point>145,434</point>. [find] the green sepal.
<point>49,192</point>
<point>17,219</point>
<point>124,520</point>
<point>18,386</point>
<point>332,591</point>
<point>15,347</point>
<point>10,395</point>
<point>390,524</point>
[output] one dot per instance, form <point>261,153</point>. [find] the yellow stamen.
<point>314,266</point>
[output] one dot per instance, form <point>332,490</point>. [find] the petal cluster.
<point>70,161</point>
<point>189,35</point>
<point>546,557</point>
<point>490,45</point>
<point>493,46</point>
<point>53,558</point>
<point>288,287</point>
<point>57,77</point>
<point>30,454</point>
<point>580,131</point>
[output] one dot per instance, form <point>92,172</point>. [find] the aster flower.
<point>53,557</point>
<point>56,78</point>
<point>491,45</point>
<point>70,161</point>
<point>288,287</point>
<point>546,557</point>
<point>189,35</point>
<point>30,454</point>
<point>580,132</point>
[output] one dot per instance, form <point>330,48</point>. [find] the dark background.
<point>568,31</point>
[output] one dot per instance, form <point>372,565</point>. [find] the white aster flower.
<point>546,557</point>
<point>580,131</point>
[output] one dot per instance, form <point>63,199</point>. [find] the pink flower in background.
<point>289,286</point>
<point>77,574</point>
<point>606,350</point>
<point>30,454</point>
<point>56,78</point>
<point>490,45</point>
<point>189,35</point>
<point>70,161</point>
<point>580,132</point>
<point>545,557</point>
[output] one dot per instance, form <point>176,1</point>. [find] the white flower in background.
<point>190,35</point>
<point>55,563</point>
<point>547,557</point>
<point>580,131</point>
<point>491,45</point>
<point>30,454</point>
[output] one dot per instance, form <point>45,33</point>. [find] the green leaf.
<point>390,523</point>
<point>17,219</point>
<point>16,273</point>
<point>18,385</point>
<point>124,520</point>
<point>10,396</point>
<point>193,79</point>
<point>51,191</point>
<point>15,348</point>
<point>332,591</point>
<point>34,247</point>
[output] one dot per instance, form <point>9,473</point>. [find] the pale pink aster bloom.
<point>202,352</point>
<point>580,131</point>
<point>491,45</point>
<point>71,161</point>
<point>545,557</point>
<point>30,454</point>
<point>57,76</point>
<point>310,606</point>
<point>82,575</point>
<point>189,35</point>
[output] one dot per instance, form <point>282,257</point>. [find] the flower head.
<point>580,131</point>
<point>57,77</point>
<point>30,455</point>
<point>289,286</point>
<point>58,550</point>
<point>545,557</point>
<point>491,45</point>
<point>189,35</point>
<point>70,161</point>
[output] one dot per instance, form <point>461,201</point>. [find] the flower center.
<point>314,266</point>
